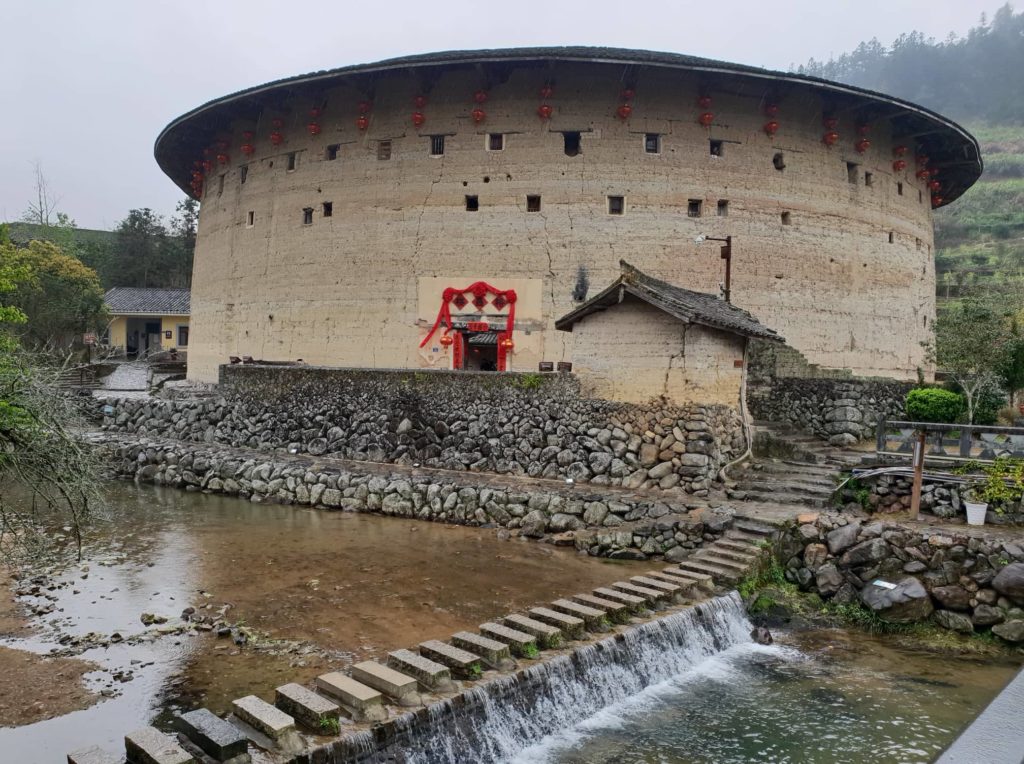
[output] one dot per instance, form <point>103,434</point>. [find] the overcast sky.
<point>86,85</point>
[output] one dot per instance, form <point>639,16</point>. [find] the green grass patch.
<point>530,651</point>
<point>329,725</point>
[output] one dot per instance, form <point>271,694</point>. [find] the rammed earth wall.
<point>517,424</point>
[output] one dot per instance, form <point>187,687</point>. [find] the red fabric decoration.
<point>223,158</point>
<point>446,339</point>
<point>923,173</point>
<point>934,185</point>
<point>479,291</point>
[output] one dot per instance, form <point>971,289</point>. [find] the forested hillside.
<point>977,79</point>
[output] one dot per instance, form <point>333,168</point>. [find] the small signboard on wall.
<point>168,334</point>
<point>546,366</point>
<point>565,365</point>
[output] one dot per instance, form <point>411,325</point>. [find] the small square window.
<point>616,205</point>
<point>472,203</point>
<point>573,143</point>
<point>328,209</point>
<point>717,148</point>
<point>652,143</point>
<point>779,161</point>
<point>250,219</point>
<point>723,208</point>
<point>532,203</point>
<point>436,145</point>
<point>851,172</point>
<point>307,216</point>
<point>787,218</point>
<point>384,150</point>
<point>495,141</point>
<point>693,208</point>
<point>331,152</point>
<point>243,173</point>
<point>899,188</point>
<point>869,179</point>
<point>291,161</point>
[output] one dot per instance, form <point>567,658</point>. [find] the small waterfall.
<point>497,720</point>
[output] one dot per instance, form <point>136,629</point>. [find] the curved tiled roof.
<point>138,301</point>
<point>183,139</point>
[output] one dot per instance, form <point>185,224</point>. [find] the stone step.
<point>571,626</point>
<point>702,580</point>
<point>94,755</point>
<point>396,685</point>
<point>738,546</point>
<point>708,557</point>
<point>214,736</point>
<point>261,716</point>
<point>548,637</point>
<point>635,604</point>
<point>726,574</point>
<point>494,653</point>
<point>794,481</point>
<point>745,557</point>
<point>360,702</point>
<point>750,539</point>
<point>521,644</point>
<point>674,590</point>
<point>306,707</point>
<point>594,619</point>
<point>617,611</point>
<point>151,746</point>
<point>778,497</point>
<point>463,664</point>
<point>654,597</point>
<point>687,586</point>
<point>432,676</point>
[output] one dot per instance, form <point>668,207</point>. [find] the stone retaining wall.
<point>961,581</point>
<point>519,424</point>
<point>626,527</point>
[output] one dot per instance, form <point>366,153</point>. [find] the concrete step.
<point>753,540</point>
<point>653,597</point>
<point>432,677</point>
<point>360,702</point>
<point>214,736</point>
<point>779,497</point>
<point>708,557</point>
<point>788,484</point>
<point>635,604</point>
<point>94,755</point>
<point>398,686</point>
<point>494,653</point>
<point>738,546</point>
<point>263,717</point>
<point>595,620</point>
<point>571,626</point>
<point>688,587</point>
<point>702,580</point>
<point>725,574</point>
<point>151,746</point>
<point>617,611</point>
<point>673,590</point>
<point>770,467</point>
<point>754,528</point>
<point>306,707</point>
<point>464,664</point>
<point>521,644</point>
<point>548,636</point>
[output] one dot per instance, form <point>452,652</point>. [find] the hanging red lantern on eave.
<point>923,173</point>
<point>936,200</point>
<point>921,160</point>
<point>627,94</point>
<point>935,185</point>
<point>248,149</point>
<point>277,123</point>
<point>478,114</point>
<point>419,102</point>
<point>771,128</point>
<point>547,91</point>
<point>863,130</point>
<point>899,151</point>
<point>223,158</point>
<point>364,107</point>
<point>544,111</point>
<point>830,138</point>
<point>277,138</point>
<point>362,122</point>
<point>446,340</point>
<point>704,101</point>
<point>315,112</point>
<point>706,118</point>
<point>480,96</point>
<point>770,110</point>
<point>507,343</point>
<point>248,135</point>
<point>830,123</point>
<point>899,165</point>
<point>862,145</point>
<point>624,111</point>
<point>418,118</point>
<point>313,128</point>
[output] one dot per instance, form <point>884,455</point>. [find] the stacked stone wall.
<point>892,493</point>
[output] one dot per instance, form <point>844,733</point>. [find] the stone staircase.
<point>730,558</point>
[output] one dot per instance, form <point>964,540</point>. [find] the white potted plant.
<point>974,503</point>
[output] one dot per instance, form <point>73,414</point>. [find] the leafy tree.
<point>1011,369</point>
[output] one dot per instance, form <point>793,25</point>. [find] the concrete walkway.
<point>997,735</point>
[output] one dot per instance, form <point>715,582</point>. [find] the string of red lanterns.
<point>626,107</point>
<point>545,110</point>
<point>706,117</point>
<point>478,114</point>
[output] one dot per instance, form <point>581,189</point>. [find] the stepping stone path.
<point>570,626</point>
<point>362,703</point>
<point>594,619</point>
<point>548,636</point>
<point>520,643</point>
<point>394,684</point>
<point>729,558</point>
<point>656,598</point>
<point>494,653</point>
<point>432,676</point>
<point>464,664</point>
<point>151,746</point>
<point>306,707</point>
<point>93,755</point>
<point>263,717</point>
<point>617,611</point>
<point>216,737</point>
<point>635,604</point>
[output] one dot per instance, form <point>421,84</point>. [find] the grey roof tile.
<point>135,300</point>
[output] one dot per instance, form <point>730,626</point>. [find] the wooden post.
<point>915,496</point>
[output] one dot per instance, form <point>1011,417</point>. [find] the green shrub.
<point>932,404</point>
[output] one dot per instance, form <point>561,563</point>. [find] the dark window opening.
<point>532,203</point>
<point>436,145</point>
<point>786,218</point>
<point>899,188</point>
<point>693,208</point>
<point>384,150</point>
<point>917,243</point>
<point>723,208</point>
<point>328,209</point>
<point>920,196</point>
<point>779,162</point>
<point>652,143</point>
<point>891,237</point>
<point>495,142</point>
<point>616,205</point>
<point>250,219</point>
<point>220,185</point>
<point>851,172</point>
<point>717,148</point>
<point>869,179</point>
<point>472,203</point>
<point>183,336</point>
<point>291,161</point>
<point>307,216</point>
<point>243,173</point>
<point>332,151</point>
<point>572,143</point>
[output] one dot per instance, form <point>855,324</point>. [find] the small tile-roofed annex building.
<point>147,321</point>
<point>642,338</point>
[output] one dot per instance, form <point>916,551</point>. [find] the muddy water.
<point>319,589</point>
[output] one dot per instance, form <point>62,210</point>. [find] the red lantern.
<point>830,138</point>
<point>480,96</point>
<point>362,122</point>
<point>704,102</point>
<point>544,111</point>
<point>863,130</point>
<point>277,138</point>
<point>934,185</point>
<point>771,128</point>
<point>624,111</point>
<point>706,118</point>
<point>364,107</point>
<point>546,92</point>
<point>771,110</point>
<point>899,151</point>
<point>936,200</point>
<point>277,123</point>
<point>315,112</point>
<point>627,94</point>
<point>446,340</point>
<point>314,128</point>
<point>830,123</point>
<point>222,145</point>
<point>223,158</point>
<point>419,101</point>
<point>899,165</point>
<point>507,343</point>
<point>197,177</point>
<point>248,135</point>
<point>478,114</point>
<point>418,118</point>
<point>862,145</point>
<point>923,173</point>
<point>207,165</point>
<point>248,149</point>
<point>921,159</point>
